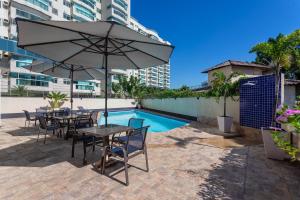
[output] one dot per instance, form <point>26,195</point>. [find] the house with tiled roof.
<point>230,66</point>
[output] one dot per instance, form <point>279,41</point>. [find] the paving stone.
<point>191,162</point>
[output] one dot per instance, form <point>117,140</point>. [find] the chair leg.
<point>103,160</point>
<point>146,157</point>
<point>25,123</point>
<point>94,144</point>
<point>84,153</point>
<point>126,169</point>
<point>73,146</point>
<point>38,135</point>
<point>45,137</point>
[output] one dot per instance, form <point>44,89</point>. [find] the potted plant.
<point>224,87</point>
<point>56,99</point>
<point>280,53</point>
<point>287,140</point>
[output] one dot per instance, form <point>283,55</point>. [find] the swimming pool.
<point>157,123</point>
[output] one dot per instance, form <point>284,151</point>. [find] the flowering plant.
<point>291,118</point>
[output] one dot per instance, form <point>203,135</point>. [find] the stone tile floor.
<point>190,162</point>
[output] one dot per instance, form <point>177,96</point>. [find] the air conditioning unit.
<point>5,21</point>
<point>5,3</point>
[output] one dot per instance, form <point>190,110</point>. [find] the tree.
<point>225,87</point>
<point>57,99</point>
<point>20,90</point>
<point>278,53</point>
<point>128,88</point>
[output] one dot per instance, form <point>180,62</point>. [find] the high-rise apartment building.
<point>13,58</point>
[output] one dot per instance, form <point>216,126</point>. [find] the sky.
<point>208,32</point>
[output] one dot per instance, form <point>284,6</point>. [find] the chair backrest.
<point>136,123</point>
<point>137,138</point>
<point>60,113</point>
<point>40,112</point>
<point>95,117</point>
<point>27,115</point>
<point>67,111</point>
<point>82,122</point>
<point>42,122</point>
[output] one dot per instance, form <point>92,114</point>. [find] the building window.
<point>90,3</point>
<point>54,11</point>
<point>67,82</point>
<point>27,15</point>
<point>84,11</point>
<point>54,80</point>
<point>66,16</point>
<point>111,18</point>
<point>30,79</point>
<point>121,3</point>
<point>44,4</point>
<point>67,3</point>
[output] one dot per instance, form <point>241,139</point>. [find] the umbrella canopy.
<point>105,44</point>
<point>75,73</point>
<point>65,71</point>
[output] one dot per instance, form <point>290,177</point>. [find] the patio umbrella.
<point>105,44</point>
<point>75,73</point>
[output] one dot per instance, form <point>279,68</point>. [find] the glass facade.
<point>27,15</point>
<point>31,79</point>
<point>84,11</point>
<point>116,20</point>
<point>90,3</point>
<point>85,85</point>
<point>44,4</point>
<point>121,3</point>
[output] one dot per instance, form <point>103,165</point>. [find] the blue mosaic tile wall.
<point>256,101</point>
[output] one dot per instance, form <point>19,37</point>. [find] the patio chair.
<point>135,123</point>
<point>43,125</point>
<point>29,119</point>
<point>95,118</point>
<point>82,110</point>
<point>67,111</point>
<point>88,141</point>
<point>135,144</point>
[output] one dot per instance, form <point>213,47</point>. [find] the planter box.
<point>271,150</point>
<point>225,123</point>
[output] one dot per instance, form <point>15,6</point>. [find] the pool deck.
<point>190,162</point>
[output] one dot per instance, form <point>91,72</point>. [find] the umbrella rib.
<point>143,52</point>
<point>159,44</point>
<point>93,44</point>
<point>126,56</point>
<point>51,25</point>
<point>124,45</point>
<point>82,50</point>
<point>90,74</point>
<point>52,42</point>
<point>95,51</point>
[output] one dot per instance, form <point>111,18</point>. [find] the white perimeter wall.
<point>17,104</point>
<point>202,107</point>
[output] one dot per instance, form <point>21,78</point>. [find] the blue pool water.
<point>157,123</point>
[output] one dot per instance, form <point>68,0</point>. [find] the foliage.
<point>151,92</point>
<point>127,88</point>
<point>280,139</point>
<point>20,91</point>
<point>290,118</point>
<point>56,99</point>
<point>280,53</point>
<point>223,86</point>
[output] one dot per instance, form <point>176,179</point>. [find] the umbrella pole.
<point>71,87</point>
<point>106,78</point>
